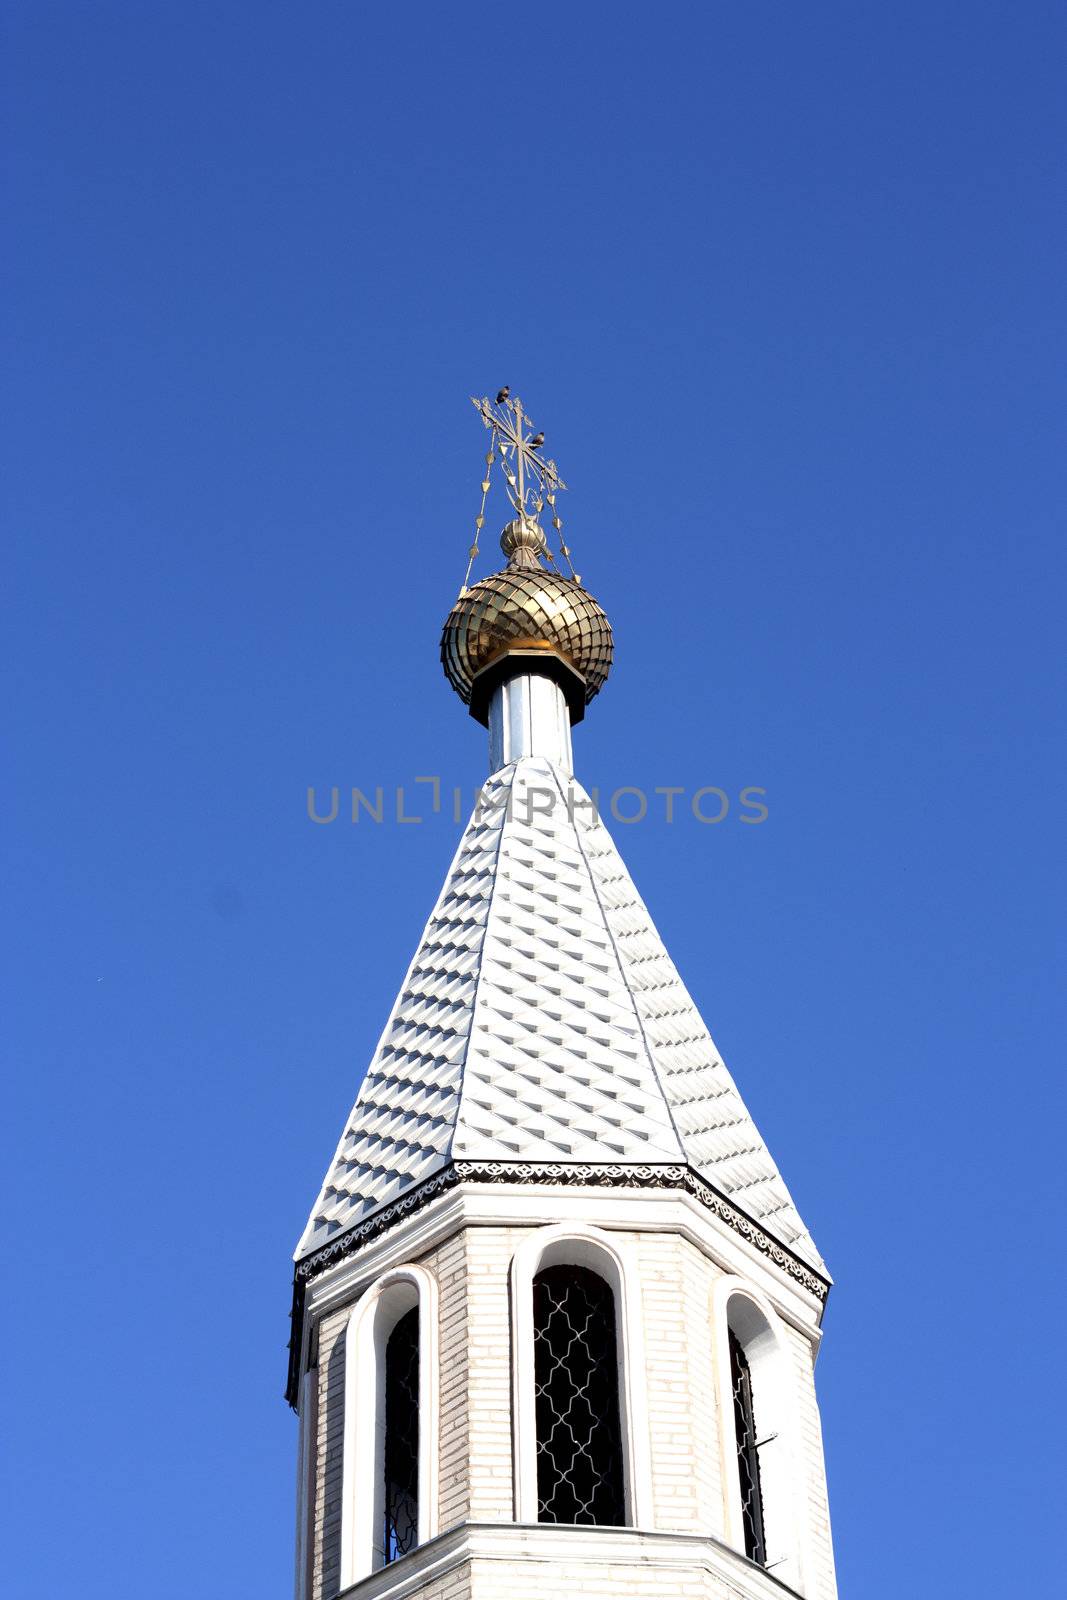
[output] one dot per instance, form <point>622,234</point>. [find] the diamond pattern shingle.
<point>543,1020</point>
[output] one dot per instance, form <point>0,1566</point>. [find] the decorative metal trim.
<point>619,1176</point>
<point>608,1175</point>
<point>371,1227</point>
<point>346,1244</point>
<point>567,1174</point>
<point>780,1254</point>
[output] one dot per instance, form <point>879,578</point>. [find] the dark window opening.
<point>576,1382</point>
<point>747,1453</point>
<point>401,1532</point>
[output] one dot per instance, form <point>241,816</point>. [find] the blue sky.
<point>784,286</point>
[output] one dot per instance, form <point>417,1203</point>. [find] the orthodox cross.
<point>532,478</point>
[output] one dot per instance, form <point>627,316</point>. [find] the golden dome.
<point>526,608</point>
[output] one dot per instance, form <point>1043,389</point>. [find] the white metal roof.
<point>542,1020</point>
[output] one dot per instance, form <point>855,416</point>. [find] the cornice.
<point>583,1553</point>
<point>555,1174</point>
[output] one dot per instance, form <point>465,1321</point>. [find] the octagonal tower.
<point>555,1311</point>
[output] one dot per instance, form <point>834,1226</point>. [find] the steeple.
<point>542,1020</point>
<point>546,1112</point>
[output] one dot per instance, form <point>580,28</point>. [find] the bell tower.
<point>555,1312</point>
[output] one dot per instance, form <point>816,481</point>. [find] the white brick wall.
<point>326,1512</point>
<point>450,1265</point>
<point>456,1586</point>
<point>676,1300</point>
<point>821,1579</point>
<point>475,1456</point>
<point>489,1252</point>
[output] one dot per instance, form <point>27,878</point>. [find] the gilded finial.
<point>529,611</point>
<point>524,544</point>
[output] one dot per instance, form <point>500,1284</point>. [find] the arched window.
<point>389,1493</point>
<point>748,1447</point>
<point>580,1429</point>
<point>756,1405</point>
<point>400,1450</point>
<point>576,1378</point>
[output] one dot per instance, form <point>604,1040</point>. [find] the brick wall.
<point>448,1264</point>
<point>676,1300</point>
<point>820,1577</point>
<point>329,1445</point>
<point>475,1457</point>
<point>489,1253</point>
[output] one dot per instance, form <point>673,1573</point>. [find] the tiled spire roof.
<point>542,1020</point>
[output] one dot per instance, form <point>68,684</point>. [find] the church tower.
<point>555,1313</point>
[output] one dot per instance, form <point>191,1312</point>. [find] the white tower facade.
<point>555,1315</point>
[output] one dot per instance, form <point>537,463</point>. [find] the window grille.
<point>747,1453</point>
<point>401,1532</point>
<point>576,1385</point>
